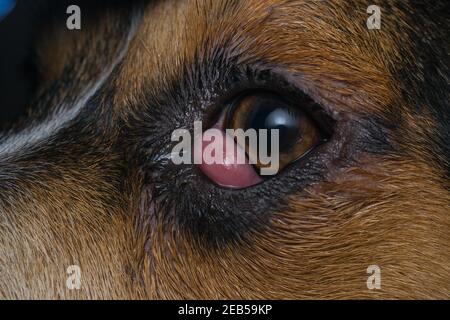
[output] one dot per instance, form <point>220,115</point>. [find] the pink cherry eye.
<point>229,172</point>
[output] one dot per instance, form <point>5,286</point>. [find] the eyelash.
<point>256,79</point>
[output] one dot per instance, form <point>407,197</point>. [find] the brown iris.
<point>298,132</point>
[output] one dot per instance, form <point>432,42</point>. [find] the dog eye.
<point>298,132</point>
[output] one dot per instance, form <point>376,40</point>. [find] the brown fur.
<point>86,203</point>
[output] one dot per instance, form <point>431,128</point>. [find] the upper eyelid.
<point>218,88</point>
<point>276,79</point>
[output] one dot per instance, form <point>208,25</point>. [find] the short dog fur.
<point>84,179</point>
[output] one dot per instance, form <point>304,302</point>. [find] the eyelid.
<point>242,79</point>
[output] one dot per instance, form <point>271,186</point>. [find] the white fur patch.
<point>37,134</point>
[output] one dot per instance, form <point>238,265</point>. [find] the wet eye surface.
<point>258,135</point>
<point>297,132</point>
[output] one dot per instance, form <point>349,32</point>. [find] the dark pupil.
<point>274,114</point>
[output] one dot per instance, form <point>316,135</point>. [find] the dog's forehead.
<point>324,46</point>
